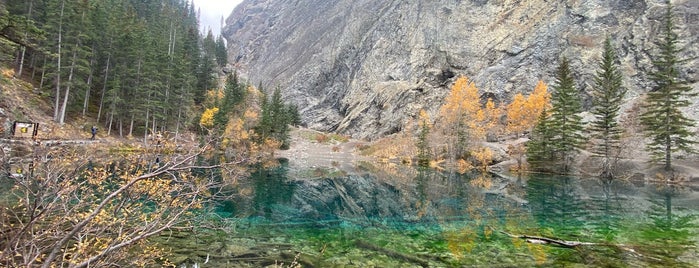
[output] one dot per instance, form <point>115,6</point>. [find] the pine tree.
<point>608,93</point>
<point>540,148</point>
<point>293,114</point>
<point>665,124</point>
<point>221,52</point>
<point>565,121</point>
<point>423,143</point>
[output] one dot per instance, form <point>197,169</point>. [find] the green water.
<point>439,219</point>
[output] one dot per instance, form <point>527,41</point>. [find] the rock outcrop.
<point>365,67</point>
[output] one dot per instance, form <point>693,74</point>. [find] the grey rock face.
<point>366,67</point>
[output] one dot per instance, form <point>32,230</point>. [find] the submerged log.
<point>567,244</point>
<point>557,242</point>
<point>392,253</point>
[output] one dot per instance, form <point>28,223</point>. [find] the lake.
<point>402,217</point>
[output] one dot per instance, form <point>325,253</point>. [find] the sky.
<point>211,12</point>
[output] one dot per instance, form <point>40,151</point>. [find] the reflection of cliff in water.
<point>434,197</point>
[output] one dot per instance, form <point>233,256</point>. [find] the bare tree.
<point>70,212</point>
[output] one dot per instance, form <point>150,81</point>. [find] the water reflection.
<point>556,205</point>
<point>670,231</point>
<point>454,219</point>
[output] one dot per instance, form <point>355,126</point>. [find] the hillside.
<point>364,68</point>
<point>20,101</point>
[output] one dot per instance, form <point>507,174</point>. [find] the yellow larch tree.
<point>522,113</point>
<point>517,115</point>
<point>464,119</point>
<point>207,118</point>
<point>538,101</point>
<point>460,113</point>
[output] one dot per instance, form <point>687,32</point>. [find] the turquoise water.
<point>437,219</point>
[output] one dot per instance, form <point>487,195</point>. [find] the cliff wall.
<point>365,67</point>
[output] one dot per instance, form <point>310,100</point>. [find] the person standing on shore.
<point>94,131</point>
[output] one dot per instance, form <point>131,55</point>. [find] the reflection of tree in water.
<point>271,187</point>
<point>422,204</point>
<point>607,223</point>
<point>555,206</point>
<point>668,233</point>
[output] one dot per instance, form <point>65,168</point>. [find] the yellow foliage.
<point>483,157</point>
<point>464,118</point>
<point>463,166</point>
<point>214,96</point>
<point>483,181</point>
<point>251,115</point>
<point>523,113</point>
<point>462,105</point>
<point>516,115</point>
<point>207,118</point>
<point>8,72</point>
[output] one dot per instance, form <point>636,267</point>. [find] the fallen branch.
<point>392,253</point>
<point>545,240</point>
<point>565,243</point>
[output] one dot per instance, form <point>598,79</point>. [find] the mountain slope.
<point>366,67</point>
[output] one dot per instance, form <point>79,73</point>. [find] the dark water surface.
<point>427,218</point>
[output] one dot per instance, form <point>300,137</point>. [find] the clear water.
<point>436,219</point>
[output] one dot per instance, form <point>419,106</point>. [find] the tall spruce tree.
<point>665,124</point>
<point>540,149</point>
<point>565,121</point>
<point>423,143</point>
<point>608,92</point>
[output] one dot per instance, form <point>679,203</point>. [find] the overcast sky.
<point>212,11</point>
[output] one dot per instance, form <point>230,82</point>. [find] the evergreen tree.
<point>264,127</point>
<point>221,52</point>
<point>234,93</point>
<point>565,121</point>
<point>423,144</point>
<point>293,114</point>
<point>608,93</point>
<point>275,120</point>
<point>665,124</point>
<point>540,148</point>
<point>280,119</point>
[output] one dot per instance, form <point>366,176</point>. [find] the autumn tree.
<point>608,93</point>
<point>71,211</point>
<point>517,115</point>
<point>664,122</point>
<point>523,113</point>
<point>538,101</point>
<point>464,118</point>
<point>565,119</point>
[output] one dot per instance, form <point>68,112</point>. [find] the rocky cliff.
<point>364,67</point>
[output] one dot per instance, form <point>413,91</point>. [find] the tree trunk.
<point>131,126</point>
<point>111,119</point>
<point>64,107</point>
<point>145,132</point>
<point>89,86</point>
<point>177,128</point>
<point>32,66</point>
<point>43,74</point>
<point>58,68</point>
<point>24,48</point>
<point>104,88</point>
